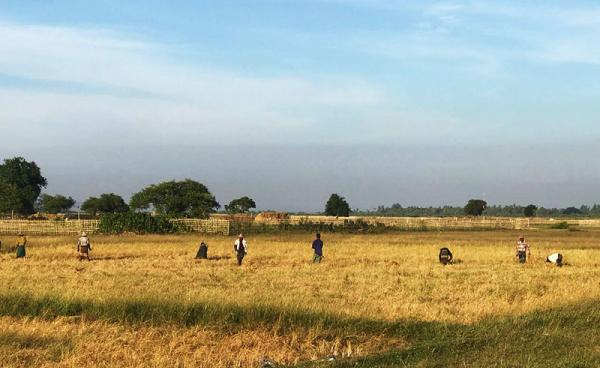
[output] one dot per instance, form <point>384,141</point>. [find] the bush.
<point>560,226</point>
<point>139,223</point>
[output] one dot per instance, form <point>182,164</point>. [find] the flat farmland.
<point>378,300</point>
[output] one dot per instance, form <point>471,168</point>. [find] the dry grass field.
<point>375,301</point>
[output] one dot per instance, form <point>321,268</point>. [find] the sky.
<point>412,102</point>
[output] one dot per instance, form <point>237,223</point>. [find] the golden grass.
<point>369,278</point>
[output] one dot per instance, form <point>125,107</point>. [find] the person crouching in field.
<point>84,247</point>
<point>317,246</point>
<point>241,248</point>
<point>202,251</point>
<point>555,258</point>
<point>445,256</point>
<point>523,250</point>
<point>21,242</point>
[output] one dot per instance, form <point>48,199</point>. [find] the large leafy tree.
<point>186,198</point>
<point>337,206</point>
<point>530,210</point>
<point>55,203</point>
<point>106,203</point>
<point>27,178</point>
<point>475,207</point>
<point>9,197</point>
<point>240,205</point>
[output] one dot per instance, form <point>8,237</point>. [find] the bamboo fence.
<point>48,227</point>
<point>223,227</point>
<point>73,227</point>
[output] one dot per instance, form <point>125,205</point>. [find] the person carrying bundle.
<point>202,251</point>
<point>21,242</point>
<point>84,246</point>
<point>555,258</point>
<point>445,256</point>
<point>241,248</point>
<point>523,250</point>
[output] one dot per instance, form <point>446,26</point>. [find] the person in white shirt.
<point>523,250</point>
<point>84,246</point>
<point>241,248</point>
<point>555,258</point>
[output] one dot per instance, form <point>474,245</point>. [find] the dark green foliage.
<point>475,207</point>
<point>570,211</point>
<point>139,223</point>
<point>337,206</point>
<point>185,198</point>
<point>240,205</point>
<point>530,210</point>
<point>563,225</point>
<point>55,203</point>
<point>9,197</point>
<point>348,226</point>
<point>28,181</point>
<point>106,203</point>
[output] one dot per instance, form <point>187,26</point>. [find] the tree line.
<point>22,182</point>
<point>397,210</point>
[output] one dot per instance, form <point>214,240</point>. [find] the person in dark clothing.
<point>445,256</point>
<point>241,248</point>
<point>317,246</point>
<point>202,251</point>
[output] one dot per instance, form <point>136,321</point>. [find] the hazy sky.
<point>416,102</point>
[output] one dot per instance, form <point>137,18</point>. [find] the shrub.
<point>139,223</point>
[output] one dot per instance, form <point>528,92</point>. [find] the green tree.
<point>186,198</point>
<point>55,203</point>
<point>9,197</point>
<point>475,207</point>
<point>240,205</point>
<point>106,203</point>
<point>337,206</point>
<point>26,177</point>
<point>570,211</point>
<point>530,210</point>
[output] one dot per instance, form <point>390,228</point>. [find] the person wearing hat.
<point>523,250</point>
<point>21,242</point>
<point>202,251</point>
<point>84,246</point>
<point>241,248</point>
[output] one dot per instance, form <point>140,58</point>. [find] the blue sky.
<point>417,102</point>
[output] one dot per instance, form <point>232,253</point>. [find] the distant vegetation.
<point>240,205</point>
<point>22,182</point>
<point>494,211</point>
<point>337,206</point>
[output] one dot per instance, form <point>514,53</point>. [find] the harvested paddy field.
<point>378,300</point>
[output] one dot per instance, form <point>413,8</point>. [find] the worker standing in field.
<point>523,250</point>
<point>317,246</point>
<point>84,246</point>
<point>202,251</point>
<point>241,249</point>
<point>21,243</point>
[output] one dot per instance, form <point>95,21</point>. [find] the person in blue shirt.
<point>317,246</point>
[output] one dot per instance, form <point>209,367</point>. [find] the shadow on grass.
<point>112,258</point>
<point>23,349</point>
<point>567,336</point>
